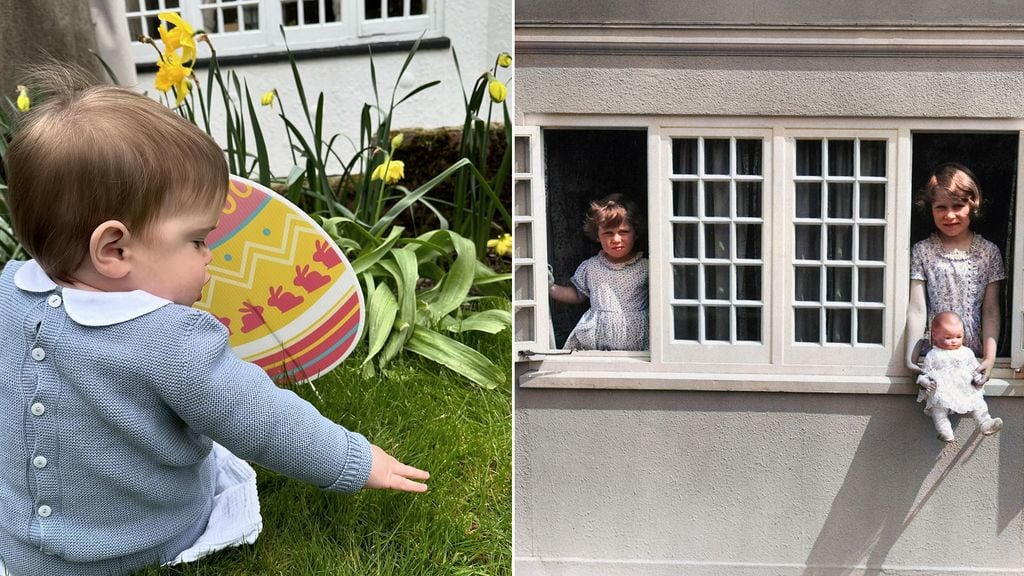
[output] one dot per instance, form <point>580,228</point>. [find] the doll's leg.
<point>941,418</point>
<point>986,423</point>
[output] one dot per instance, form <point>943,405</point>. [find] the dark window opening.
<point>582,166</point>
<point>993,159</point>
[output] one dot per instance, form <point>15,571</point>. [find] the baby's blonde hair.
<point>91,153</point>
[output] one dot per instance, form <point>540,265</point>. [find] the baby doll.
<point>951,382</point>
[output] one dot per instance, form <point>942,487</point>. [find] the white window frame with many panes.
<point>255,24</point>
<point>871,257</point>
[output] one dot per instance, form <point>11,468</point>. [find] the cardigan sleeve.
<point>236,404</point>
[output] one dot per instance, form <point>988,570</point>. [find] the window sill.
<point>363,49</point>
<point>626,379</point>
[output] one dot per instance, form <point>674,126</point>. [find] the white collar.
<point>86,307</point>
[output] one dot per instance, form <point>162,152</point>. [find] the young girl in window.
<point>955,269</point>
<point>615,282</point>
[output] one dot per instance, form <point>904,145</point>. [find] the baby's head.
<point>947,331</point>
<point>91,154</point>
<point>954,181</point>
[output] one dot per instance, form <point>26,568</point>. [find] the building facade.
<point>775,149</point>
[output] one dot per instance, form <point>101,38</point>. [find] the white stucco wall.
<point>478,30</point>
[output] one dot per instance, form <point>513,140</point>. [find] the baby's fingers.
<point>406,485</point>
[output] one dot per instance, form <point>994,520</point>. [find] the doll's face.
<point>948,333</point>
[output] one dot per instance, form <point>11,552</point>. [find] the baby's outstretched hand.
<point>387,472</point>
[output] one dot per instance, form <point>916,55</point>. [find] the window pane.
<point>395,9</point>
<point>808,157</point>
<point>230,19</point>
<point>171,4</point>
<point>417,7</point>
<point>748,324</point>
<point>522,241</point>
<point>840,157</point>
<point>684,156</point>
<point>252,17</point>
<point>716,199</point>
<point>748,283</point>
<point>372,9</point>
<point>808,284</point>
<point>716,156</point>
<point>522,202</point>
<point>210,22</point>
<point>748,157</point>
<point>808,243</point>
<point>716,282</point>
<point>837,324</point>
<point>310,11</point>
<point>840,200</point>
<point>869,326</point>
<point>872,200</point>
<point>872,158</point>
<point>840,242</point>
<point>684,198</point>
<point>748,241</point>
<point>131,5</point>
<point>524,328</point>
<point>872,243</point>
<point>684,238</point>
<point>716,240</point>
<point>684,282</point>
<point>684,322</point>
<point>748,199</point>
<point>807,325</point>
<point>524,283</point>
<point>808,199</point>
<point>522,151</point>
<point>716,323</point>
<point>152,4</point>
<point>839,285</point>
<point>135,28</point>
<point>870,284</point>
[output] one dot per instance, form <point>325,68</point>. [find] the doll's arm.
<point>916,315</point>
<point>989,330</point>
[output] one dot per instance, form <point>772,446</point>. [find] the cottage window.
<point>253,26</point>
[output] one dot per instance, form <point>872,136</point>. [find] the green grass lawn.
<point>425,416</point>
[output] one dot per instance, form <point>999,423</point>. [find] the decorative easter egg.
<point>287,295</point>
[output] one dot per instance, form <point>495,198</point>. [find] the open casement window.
<point>711,265</point>
<point>253,26</point>
<point>531,324</point>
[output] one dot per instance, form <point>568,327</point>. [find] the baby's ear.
<point>108,249</point>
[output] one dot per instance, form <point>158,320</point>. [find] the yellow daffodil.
<point>504,59</point>
<point>268,97</point>
<point>397,140</point>
<point>390,171</point>
<point>501,245</point>
<point>172,73</point>
<point>181,36</point>
<point>498,90</point>
<point>23,102</point>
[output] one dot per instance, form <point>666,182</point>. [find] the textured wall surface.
<point>478,32</point>
<point>726,483</point>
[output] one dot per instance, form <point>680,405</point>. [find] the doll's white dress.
<point>617,319</point>
<point>953,372</point>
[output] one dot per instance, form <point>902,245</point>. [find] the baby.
<point>951,382</point>
<point>123,412</point>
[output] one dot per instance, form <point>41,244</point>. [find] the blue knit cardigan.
<point>105,434</point>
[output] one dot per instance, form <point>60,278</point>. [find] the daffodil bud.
<point>268,97</point>
<point>504,59</point>
<point>498,90</point>
<point>23,101</point>
<point>397,140</point>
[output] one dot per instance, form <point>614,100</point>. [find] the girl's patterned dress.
<point>617,319</point>
<point>956,281</point>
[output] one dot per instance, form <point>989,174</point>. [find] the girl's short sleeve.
<point>991,265</point>
<point>579,279</point>
<point>917,262</point>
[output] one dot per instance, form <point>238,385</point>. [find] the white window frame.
<point>529,253</point>
<point>791,367</point>
<point>353,29</point>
